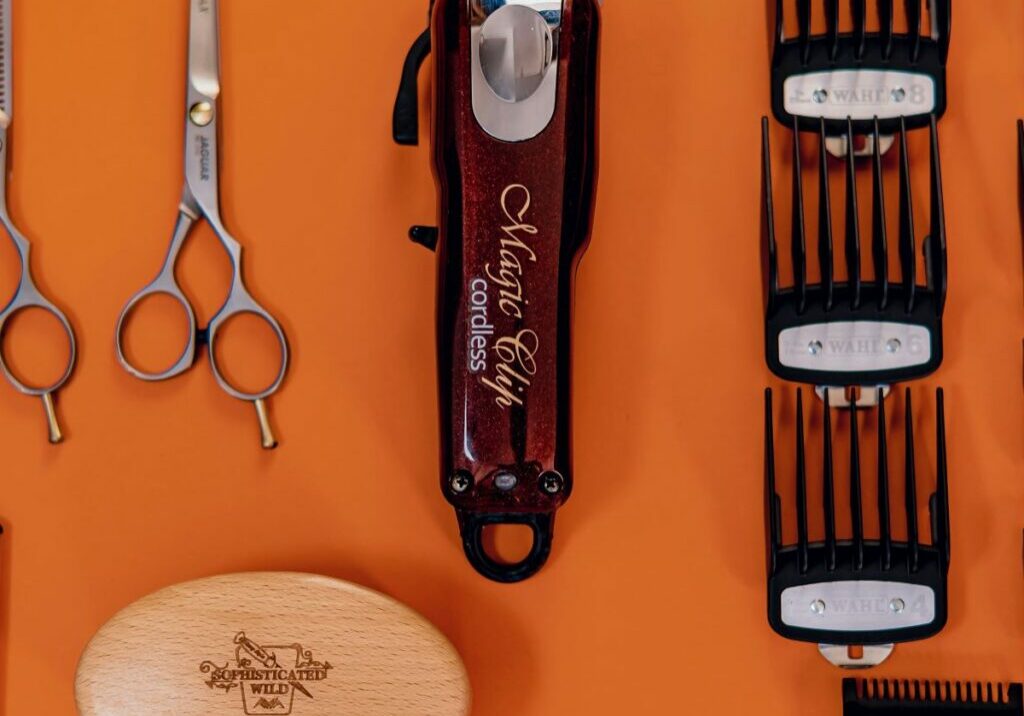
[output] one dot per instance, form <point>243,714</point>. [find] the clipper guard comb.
<point>857,331</point>
<point>863,697</point>
<point>515,153</point>
<point>857,591</point>
<point>850,77</point>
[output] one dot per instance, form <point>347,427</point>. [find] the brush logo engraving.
<point>267,676</point>
<point>515,354</point>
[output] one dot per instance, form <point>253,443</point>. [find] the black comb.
<point>848,72</point>
<point>860,331</point>
<point>871,592</point>
<point>936,698</point>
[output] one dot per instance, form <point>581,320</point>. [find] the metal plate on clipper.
<point>515,71</point>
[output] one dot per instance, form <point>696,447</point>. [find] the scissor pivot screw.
<point>897,605</point>
<point>201,114</point>
<point>552,483</point>
<point>460,482</point>
<point>818,607</point>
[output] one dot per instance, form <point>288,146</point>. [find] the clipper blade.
<point>858,590</point>
<point>858,331</point>
<point>874,697</point>
<point>850,73</point>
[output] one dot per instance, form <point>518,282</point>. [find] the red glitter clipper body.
<point>515,151</point>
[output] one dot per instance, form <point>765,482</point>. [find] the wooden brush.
<point>270,643</point>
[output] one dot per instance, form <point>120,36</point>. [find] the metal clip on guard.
<point>852,74</point>
<point>515,148</point>
<point>817,591</point>
<point>936,698</point>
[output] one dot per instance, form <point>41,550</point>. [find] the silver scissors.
<point>27,294</point>
<point>200,200</point>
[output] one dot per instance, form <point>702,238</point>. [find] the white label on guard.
<point>855,346</point>
<point>853,606</point>
<point>859,94</point>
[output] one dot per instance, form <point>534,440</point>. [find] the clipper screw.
<point>460,482</point>
<point>552,483</point>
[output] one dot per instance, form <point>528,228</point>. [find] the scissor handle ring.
<point>240,302</point>
<point>164,285</point>
<point>28,296</point>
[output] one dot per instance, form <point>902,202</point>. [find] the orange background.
<point>653,601</point>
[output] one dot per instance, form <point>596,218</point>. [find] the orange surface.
<point>653,601</point>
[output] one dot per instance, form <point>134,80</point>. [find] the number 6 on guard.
<point>200,200</point>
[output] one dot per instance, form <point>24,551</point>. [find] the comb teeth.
<point>882,697</point>
<point>855,287</point>
<point>879,239</point>
<point>939,11</point>
<point>769,246</point>
<point>825,249</point>
<point>885,20</point>
<point>855,548</point>
<point>890,321</point>
<point>856,588</point>
<point>908,256</point>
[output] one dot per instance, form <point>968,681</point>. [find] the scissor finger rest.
<point>241,303</point>
<point>27,297</point>
<point>164,285</point>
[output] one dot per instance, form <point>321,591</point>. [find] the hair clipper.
<point>515,157</point>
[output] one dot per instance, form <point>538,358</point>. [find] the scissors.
<point>27,295</point>
<point>200,201</point>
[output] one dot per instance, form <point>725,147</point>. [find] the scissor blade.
<point>5,63</point>
<point>203,53</point>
